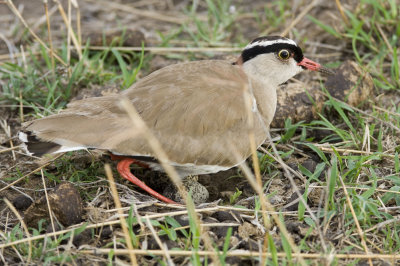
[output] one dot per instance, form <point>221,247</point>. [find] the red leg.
<point>125,172</point>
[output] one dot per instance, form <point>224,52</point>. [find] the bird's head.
<point>275,59</point>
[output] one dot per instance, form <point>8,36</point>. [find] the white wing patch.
<point>23,137</point>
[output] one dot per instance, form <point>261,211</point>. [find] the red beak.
<point>311,65</point>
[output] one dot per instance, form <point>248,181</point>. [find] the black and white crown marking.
<point>271,44</point>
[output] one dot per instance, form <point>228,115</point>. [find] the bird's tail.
<point>36,147</point>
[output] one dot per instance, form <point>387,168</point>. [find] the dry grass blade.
<point>158,240</point>
<point>10,149</point>
<point>288,169</point>
<point>114,222</point>
<point>299,17</point>
<point>256,166</point>
<point>162,157</point>
<point>382,224</point>
<point>339,6</point>
<point>374,117</point>
<point>71,33</point>
<point>361,188</point>
<point>283,165</point>
<point>48,206</point>
<point>78,25</point>
<point>16,55</point>
<point>141,128</point>
<point>12,208</point>
<point>21,104</point>
<point>322,147</point>
<point>162,50</point>
<point>13,247</point>
<point>123,223</point>
<point>10,47</point>
<point>69,27</point>
<point>246,253</point>
<point>142,13</point>
<point>359,230</point>
<point>256,183</point>
<point>270,210</point>
<point>49,32</point>
<point>385,39</point>
<point>385,110</point>
<point>7,130</point>
<point>17,13</point>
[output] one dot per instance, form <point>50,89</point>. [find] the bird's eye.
<point>284,54</point>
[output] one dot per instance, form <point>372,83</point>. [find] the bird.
<point>196,110</point>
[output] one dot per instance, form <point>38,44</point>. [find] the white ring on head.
<point>270,42</point>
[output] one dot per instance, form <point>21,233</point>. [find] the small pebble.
<point>21,202</point>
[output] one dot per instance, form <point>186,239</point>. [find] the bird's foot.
<point>125,172</point>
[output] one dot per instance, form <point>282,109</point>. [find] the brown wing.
<point>195,109</point>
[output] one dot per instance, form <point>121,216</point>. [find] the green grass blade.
<point>325,27</point>
<point>332,179</point>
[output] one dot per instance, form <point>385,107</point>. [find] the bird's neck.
<point>264,94</point>
<point>262,73</point>
<point>263,86</point>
